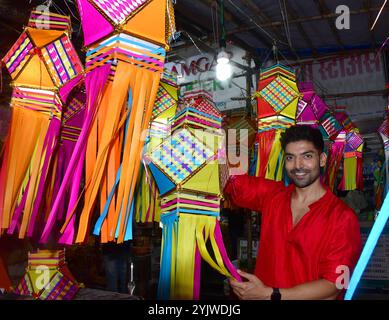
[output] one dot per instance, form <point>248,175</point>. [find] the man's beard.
<point>306,178</point>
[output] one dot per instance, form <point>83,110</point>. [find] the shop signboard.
<point>197,72</point>
<point>361,76</point>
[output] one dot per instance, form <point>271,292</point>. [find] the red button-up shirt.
<point>326,239</point>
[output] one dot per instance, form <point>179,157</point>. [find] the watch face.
<point>276,295</point>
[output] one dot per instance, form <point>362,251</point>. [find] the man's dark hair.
<point>303,133</point>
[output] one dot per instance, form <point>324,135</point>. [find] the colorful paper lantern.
<point>352,164</point>
<point>44,67</point>
<point>186,171</point>
<point>48,277</point>
<point>121,40</point>
<point>310,107</point>
<point>278,97</point>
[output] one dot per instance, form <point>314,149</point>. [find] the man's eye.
<point>288,158</point>
<point>308,156</point>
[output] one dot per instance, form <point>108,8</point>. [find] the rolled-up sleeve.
<point>250,192</point>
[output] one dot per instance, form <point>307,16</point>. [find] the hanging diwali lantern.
<point>120,41</point>
<point>278,97</point>
<point>44,67</point>
<point>186,170</point>
<point>352,178</point>
<point>48,277</point>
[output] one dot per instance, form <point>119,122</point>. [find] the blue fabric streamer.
<point>368,249</point>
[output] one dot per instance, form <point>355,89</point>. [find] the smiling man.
<point>310,240</point>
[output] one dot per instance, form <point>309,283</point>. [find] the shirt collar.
<point>325,199</point>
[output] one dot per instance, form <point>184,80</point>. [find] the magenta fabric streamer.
<point>15,223</point>
<point>197,275</point>
<point>226,260</point>
<point>49,145</point>
<point>94,84</point>
<point>93,31</point>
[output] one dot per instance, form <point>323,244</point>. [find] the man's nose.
<point>298,163</point>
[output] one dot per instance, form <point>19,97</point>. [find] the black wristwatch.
<point>276,295</point>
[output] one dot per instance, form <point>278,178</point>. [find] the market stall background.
<point>301,30</point>
<point>347,66</point>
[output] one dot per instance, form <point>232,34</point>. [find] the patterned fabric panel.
<point>74,106</point>
<point>189,95</point>
<point>169,78</point>
<point>49,21</point>
<point>38,100</point>
<point>59,288</point>
<point>208,107</point>
<point>386,145</point>
<point>329,125</point>
<point>318,106</point>
<point>118,10</point>
<point>62,60</point>
<point>18,55</point>
<point>274,123</point>
<point>136,51</point>
<point>163,102</point>
<point>24,287</point>
<point>278,94</point>
<point>159,130</point>
<point>189,203</point>
<point>180,155</point>
<point>341,137</point>
<point>301,107</point>
<point>277,69</point>
<point>354,140</point>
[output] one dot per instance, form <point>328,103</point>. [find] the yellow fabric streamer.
<point>274,170</point>
<point>350,173</point>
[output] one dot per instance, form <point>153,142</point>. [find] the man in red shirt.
<point>310,240</point>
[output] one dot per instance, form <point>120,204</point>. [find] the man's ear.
<point>323,159</point>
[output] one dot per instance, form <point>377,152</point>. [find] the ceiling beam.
<point>264,18</point>
<point>306,19</point>
<point>323,9</point>
<point>292,13</point>
<point>231,17</point>
<point>187,25</point>
<point>201,24</point>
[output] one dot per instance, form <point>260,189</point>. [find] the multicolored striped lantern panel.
<point>278,97</point>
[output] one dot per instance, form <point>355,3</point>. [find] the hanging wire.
<point>66,2</point>
<point>378,15</point>
<point>255,23</point>
<point>266,58</point>
<point>191,39</point>
<point>215,30</point>
<point>285,21</point>
<point>57,7</point>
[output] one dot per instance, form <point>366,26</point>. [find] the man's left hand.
<point>253,289</point>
